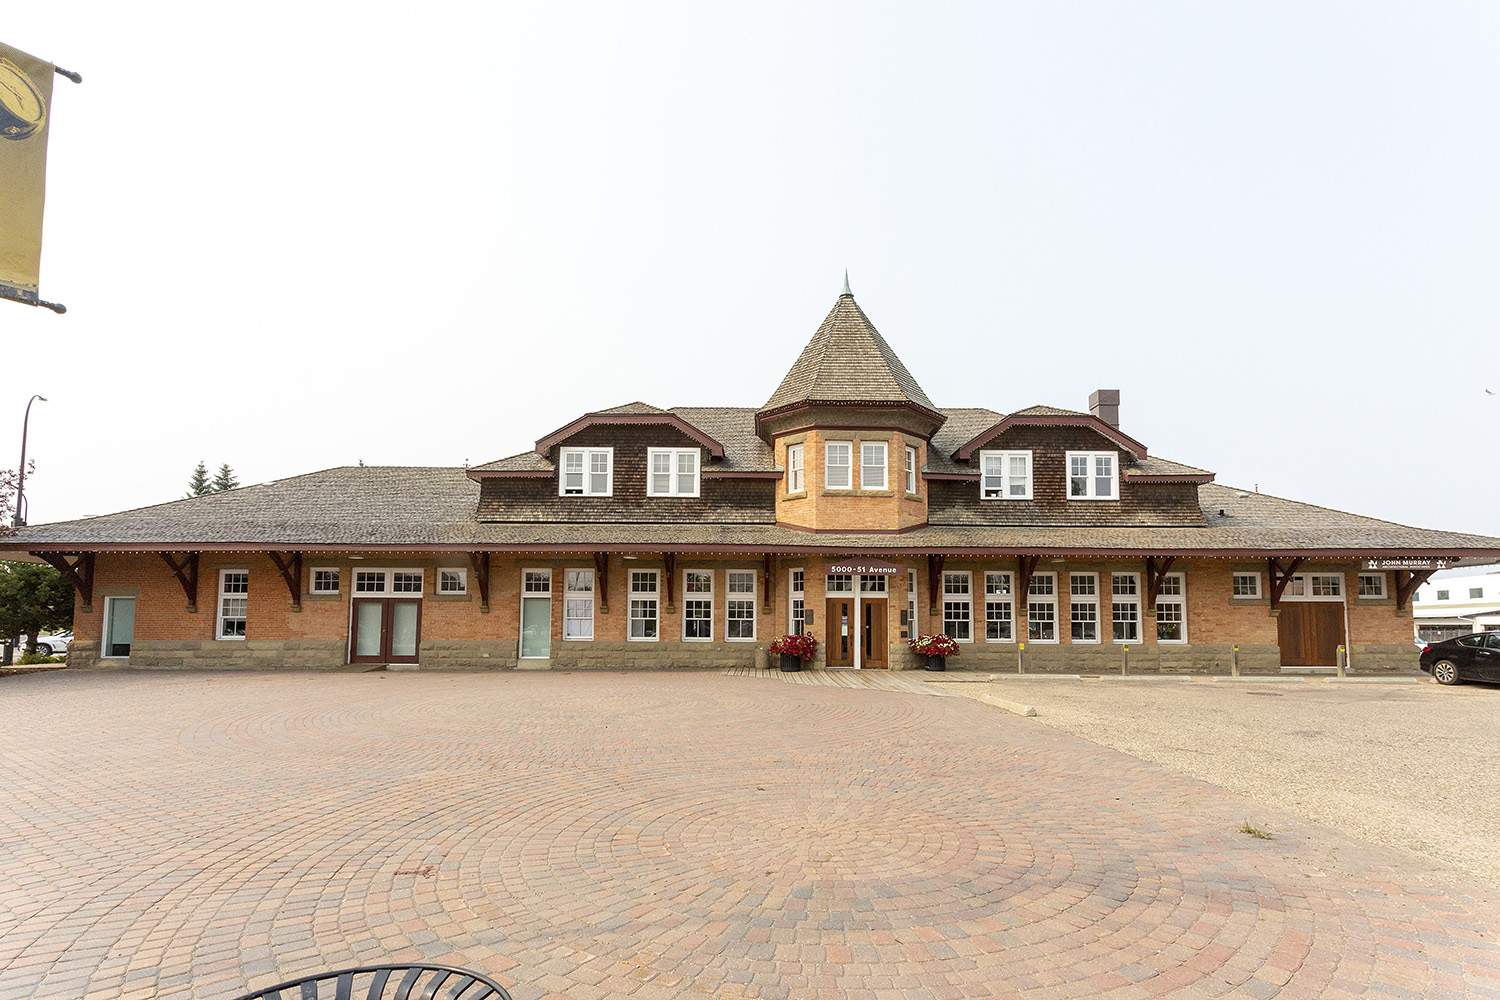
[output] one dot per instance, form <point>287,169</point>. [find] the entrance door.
<point>119,625</point>
<point>386,630</point>
<point>1310,633</point>
<point>840,645</point>
<point>536,628</point>
<point>873,638</point>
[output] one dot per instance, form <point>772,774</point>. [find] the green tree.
<point>34,598</point>
<point>224,479</point>
<point>199,484</point>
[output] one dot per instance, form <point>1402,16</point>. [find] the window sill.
<point>1003,499</point>
<point>1091,499</point>
<point>674,496</point>
<point>1085,642</point>
<point>795,495</point>
<point>752,639</point>
<point>1043,642</point>
<point>999,642</point>
<point>643,638</point>
<point>324,596</point>
<point>835,491</point>
<point>578,638</point>
<point>697,639</point>
<point>460,598</point>
<point>229,638</point>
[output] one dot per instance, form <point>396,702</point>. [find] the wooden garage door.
<point>1310,633</point>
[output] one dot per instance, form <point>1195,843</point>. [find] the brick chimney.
<point>1105,404</point>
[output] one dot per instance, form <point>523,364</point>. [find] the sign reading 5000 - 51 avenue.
<point>25,97</point>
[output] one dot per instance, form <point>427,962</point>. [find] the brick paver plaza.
<point>664,835</point>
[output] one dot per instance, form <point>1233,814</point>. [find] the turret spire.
<point>846,284</point>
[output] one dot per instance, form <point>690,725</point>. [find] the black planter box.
<point>790,663</point>
<point>937,662</point>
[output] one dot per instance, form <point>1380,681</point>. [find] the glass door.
<point>385,630</point>
<point>536,614</point>
<point>119,626</point>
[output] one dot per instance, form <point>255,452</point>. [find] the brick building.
<point>849,506</point>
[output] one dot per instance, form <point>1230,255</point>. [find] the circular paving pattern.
<point>661,835</point>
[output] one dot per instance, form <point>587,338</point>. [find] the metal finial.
<point>846,284</point>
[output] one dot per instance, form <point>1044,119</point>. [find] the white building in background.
<point>1456,603</point>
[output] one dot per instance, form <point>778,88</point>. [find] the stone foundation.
<point>209,654</point>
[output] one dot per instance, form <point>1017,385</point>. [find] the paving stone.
<point>607,835</point>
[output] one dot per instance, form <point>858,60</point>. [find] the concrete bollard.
<point>1234,662</point>
<point>1021,658</point>
<point>1124,660</point>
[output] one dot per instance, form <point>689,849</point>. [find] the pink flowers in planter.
<point>933,645</point>
<point>803,647</point>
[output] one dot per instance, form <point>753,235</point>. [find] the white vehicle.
<point>54,645</point>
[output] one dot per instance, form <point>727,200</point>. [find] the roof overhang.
<point>1181,477</point>
<point>932,417</point>
<point>1125,441</point>
<point>547,443</point>
<point>478,474</point>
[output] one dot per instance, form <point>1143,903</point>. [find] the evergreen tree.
<point>33,599</point>
<point>224,479</point>
<point>199,484</point>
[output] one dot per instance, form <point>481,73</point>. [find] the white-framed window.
<point>1091,476</point>
<point>958,611</point>
<point>739,605</point>
<point>234,599</point>
<point>871,584</point>
<point>406,581</point>
<point>323,580</point>
<point>999,608</point>
<point>1326,585</point>
<point>1083,606</point>
<point>838,583</point>
<point>1041,608</point>
<point>1372,585</point>
<point>794,483</point>
<point>674,472</point>
<point>698,605</point>
<point>1005,475</point>
<point>536,581</point>
<point>453,581</point>
<point>371,581</point>
<point>643,606</point>
<point>1171,609</point>
<point>578,604</point>
<point>1245,586</point>
<point>1125,601</point>
<point>586,472</point>
<point>797,613</point>
<point>911,470</point>
<point>873,474</point>
<point>836,459</point>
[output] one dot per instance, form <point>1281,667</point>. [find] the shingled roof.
<point>407,509</point>
<point>848,361</point>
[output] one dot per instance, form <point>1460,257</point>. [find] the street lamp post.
<point>21,481</point>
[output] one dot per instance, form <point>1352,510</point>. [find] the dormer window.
<point>586,472</point>
<point>1005,475</point>
<point>674,472</point>
<point>1091,476</point>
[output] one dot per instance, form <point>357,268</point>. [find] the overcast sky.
<point>295,236</point>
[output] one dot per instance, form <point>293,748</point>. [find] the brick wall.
<point>856,509</point>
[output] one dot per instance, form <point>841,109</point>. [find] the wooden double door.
<point>385,630</point>
<point>1310,633</point>
<point>856,625</point>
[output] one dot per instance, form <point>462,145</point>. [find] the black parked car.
<point>1465,658</point>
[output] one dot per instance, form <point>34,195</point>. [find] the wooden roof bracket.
<point>1280,577</point>
<point>1155,575</point>
<point>79,572</point>
<point>1407,583</point>
<point>669,565</point>
<point>291,574</point>
<point>934,581</point>
<point>768,584</point>
<point>601,572</point>
<point>481,563</point>
<point>187,575</point>
<point>1025,570</point>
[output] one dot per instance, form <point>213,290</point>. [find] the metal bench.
<point>415,981</point>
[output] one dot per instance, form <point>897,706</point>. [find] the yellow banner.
<point>25,114</point>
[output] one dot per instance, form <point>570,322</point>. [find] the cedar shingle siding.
<point>536,500</point>
<point>950,502</point>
